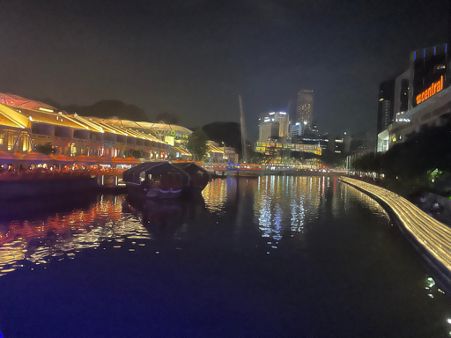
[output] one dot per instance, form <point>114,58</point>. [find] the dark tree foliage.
<point>256,157</point>
<point>420,153</point>
<point>369,162</point>
<point>302,155</point>
<point>197,143</point>
<point>331,159</point>
<point>169,118</point>
<point>227,132</point>
<point>109,108</point>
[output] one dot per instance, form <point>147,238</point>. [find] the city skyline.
<point>171,57</point>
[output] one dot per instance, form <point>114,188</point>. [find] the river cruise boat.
<point>199,177</point>
<point>155,180</point>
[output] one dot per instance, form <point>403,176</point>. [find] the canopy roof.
<point>9,117</point>
<point>190,167</point>
<point>182,151</point>
<point>59,119</point>
<point>21,102</point>
<point>214,149</point>
<point>157,128</point>
<point>133,175</point>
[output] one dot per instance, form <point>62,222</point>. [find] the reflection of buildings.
<point>62,235</point>
<point>215,195</point>
<point>283,206</point>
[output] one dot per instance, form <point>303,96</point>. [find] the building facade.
<point>422,96</point>
<point>274,125</point>
<point>304,107</point>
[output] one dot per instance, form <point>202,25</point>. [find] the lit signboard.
<point>431,91</point>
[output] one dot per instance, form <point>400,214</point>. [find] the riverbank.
<point>429,236</point>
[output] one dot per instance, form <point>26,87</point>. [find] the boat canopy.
<point>133,175</point>
<point>190,168</point>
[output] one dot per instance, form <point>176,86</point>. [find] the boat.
<point>155,180</point>
<point>199,177</point>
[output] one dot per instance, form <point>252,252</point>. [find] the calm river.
<point>267,257</point>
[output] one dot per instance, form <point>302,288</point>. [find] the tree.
<point>197,143</point>
<point>109,108</point>
<point>169,118</point>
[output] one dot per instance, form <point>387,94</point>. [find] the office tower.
<point>385,111</point>
<point>279,119</point>
<point>304,109</point>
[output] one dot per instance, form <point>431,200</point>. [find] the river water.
<point>267,257</point>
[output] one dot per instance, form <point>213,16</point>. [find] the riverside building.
<point>421,97</point>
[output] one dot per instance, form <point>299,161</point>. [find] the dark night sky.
<point>194,57</point>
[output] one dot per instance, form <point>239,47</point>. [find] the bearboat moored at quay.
<point>155,180</point>
<point>199,177</point>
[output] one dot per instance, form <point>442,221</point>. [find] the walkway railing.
<point>433,236</point>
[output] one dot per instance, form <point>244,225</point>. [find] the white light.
<point>271,113</point>
<point>305,122</point>
<point>45,109</point>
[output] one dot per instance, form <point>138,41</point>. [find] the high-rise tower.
<point>304,109</point>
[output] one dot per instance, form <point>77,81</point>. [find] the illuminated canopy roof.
<point>214,149</point>
<point>11,118</point>
<point>21,102</point>
<point>157,128</point>
<point>182,151</point>
<point>50,118</point>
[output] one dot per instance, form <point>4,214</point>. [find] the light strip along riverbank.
<point>430,237</point>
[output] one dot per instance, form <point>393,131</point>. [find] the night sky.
<point>195,57</point>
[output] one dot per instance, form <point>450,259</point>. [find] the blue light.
<point>424,53</point>
<point>434,49</point>
<point>415,55</point>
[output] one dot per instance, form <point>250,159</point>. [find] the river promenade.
<point>431,237</point>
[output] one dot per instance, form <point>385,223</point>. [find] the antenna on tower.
<point>243,132</point>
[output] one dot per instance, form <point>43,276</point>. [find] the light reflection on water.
<point>274,219</point>
<point>283,206</point>
<point>61,236</point>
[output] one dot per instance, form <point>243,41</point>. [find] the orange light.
<point>432,90</point>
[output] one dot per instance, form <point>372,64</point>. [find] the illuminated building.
<point>268,129</point>
<point>280,151</point>
<point>297,129</point>
<point>214,153</point>
<point>304,108</point>
<point>421,97</point>
<point>385,111</point>
<point>274,125</point>
<point>23,130</point>
<point>339,145</point>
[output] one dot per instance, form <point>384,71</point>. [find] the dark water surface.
<point>268,257</point>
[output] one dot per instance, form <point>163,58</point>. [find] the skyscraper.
<point>385,110</point>
<point>304,109</point>
<point>268,130</point>
<point>280,125</point>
